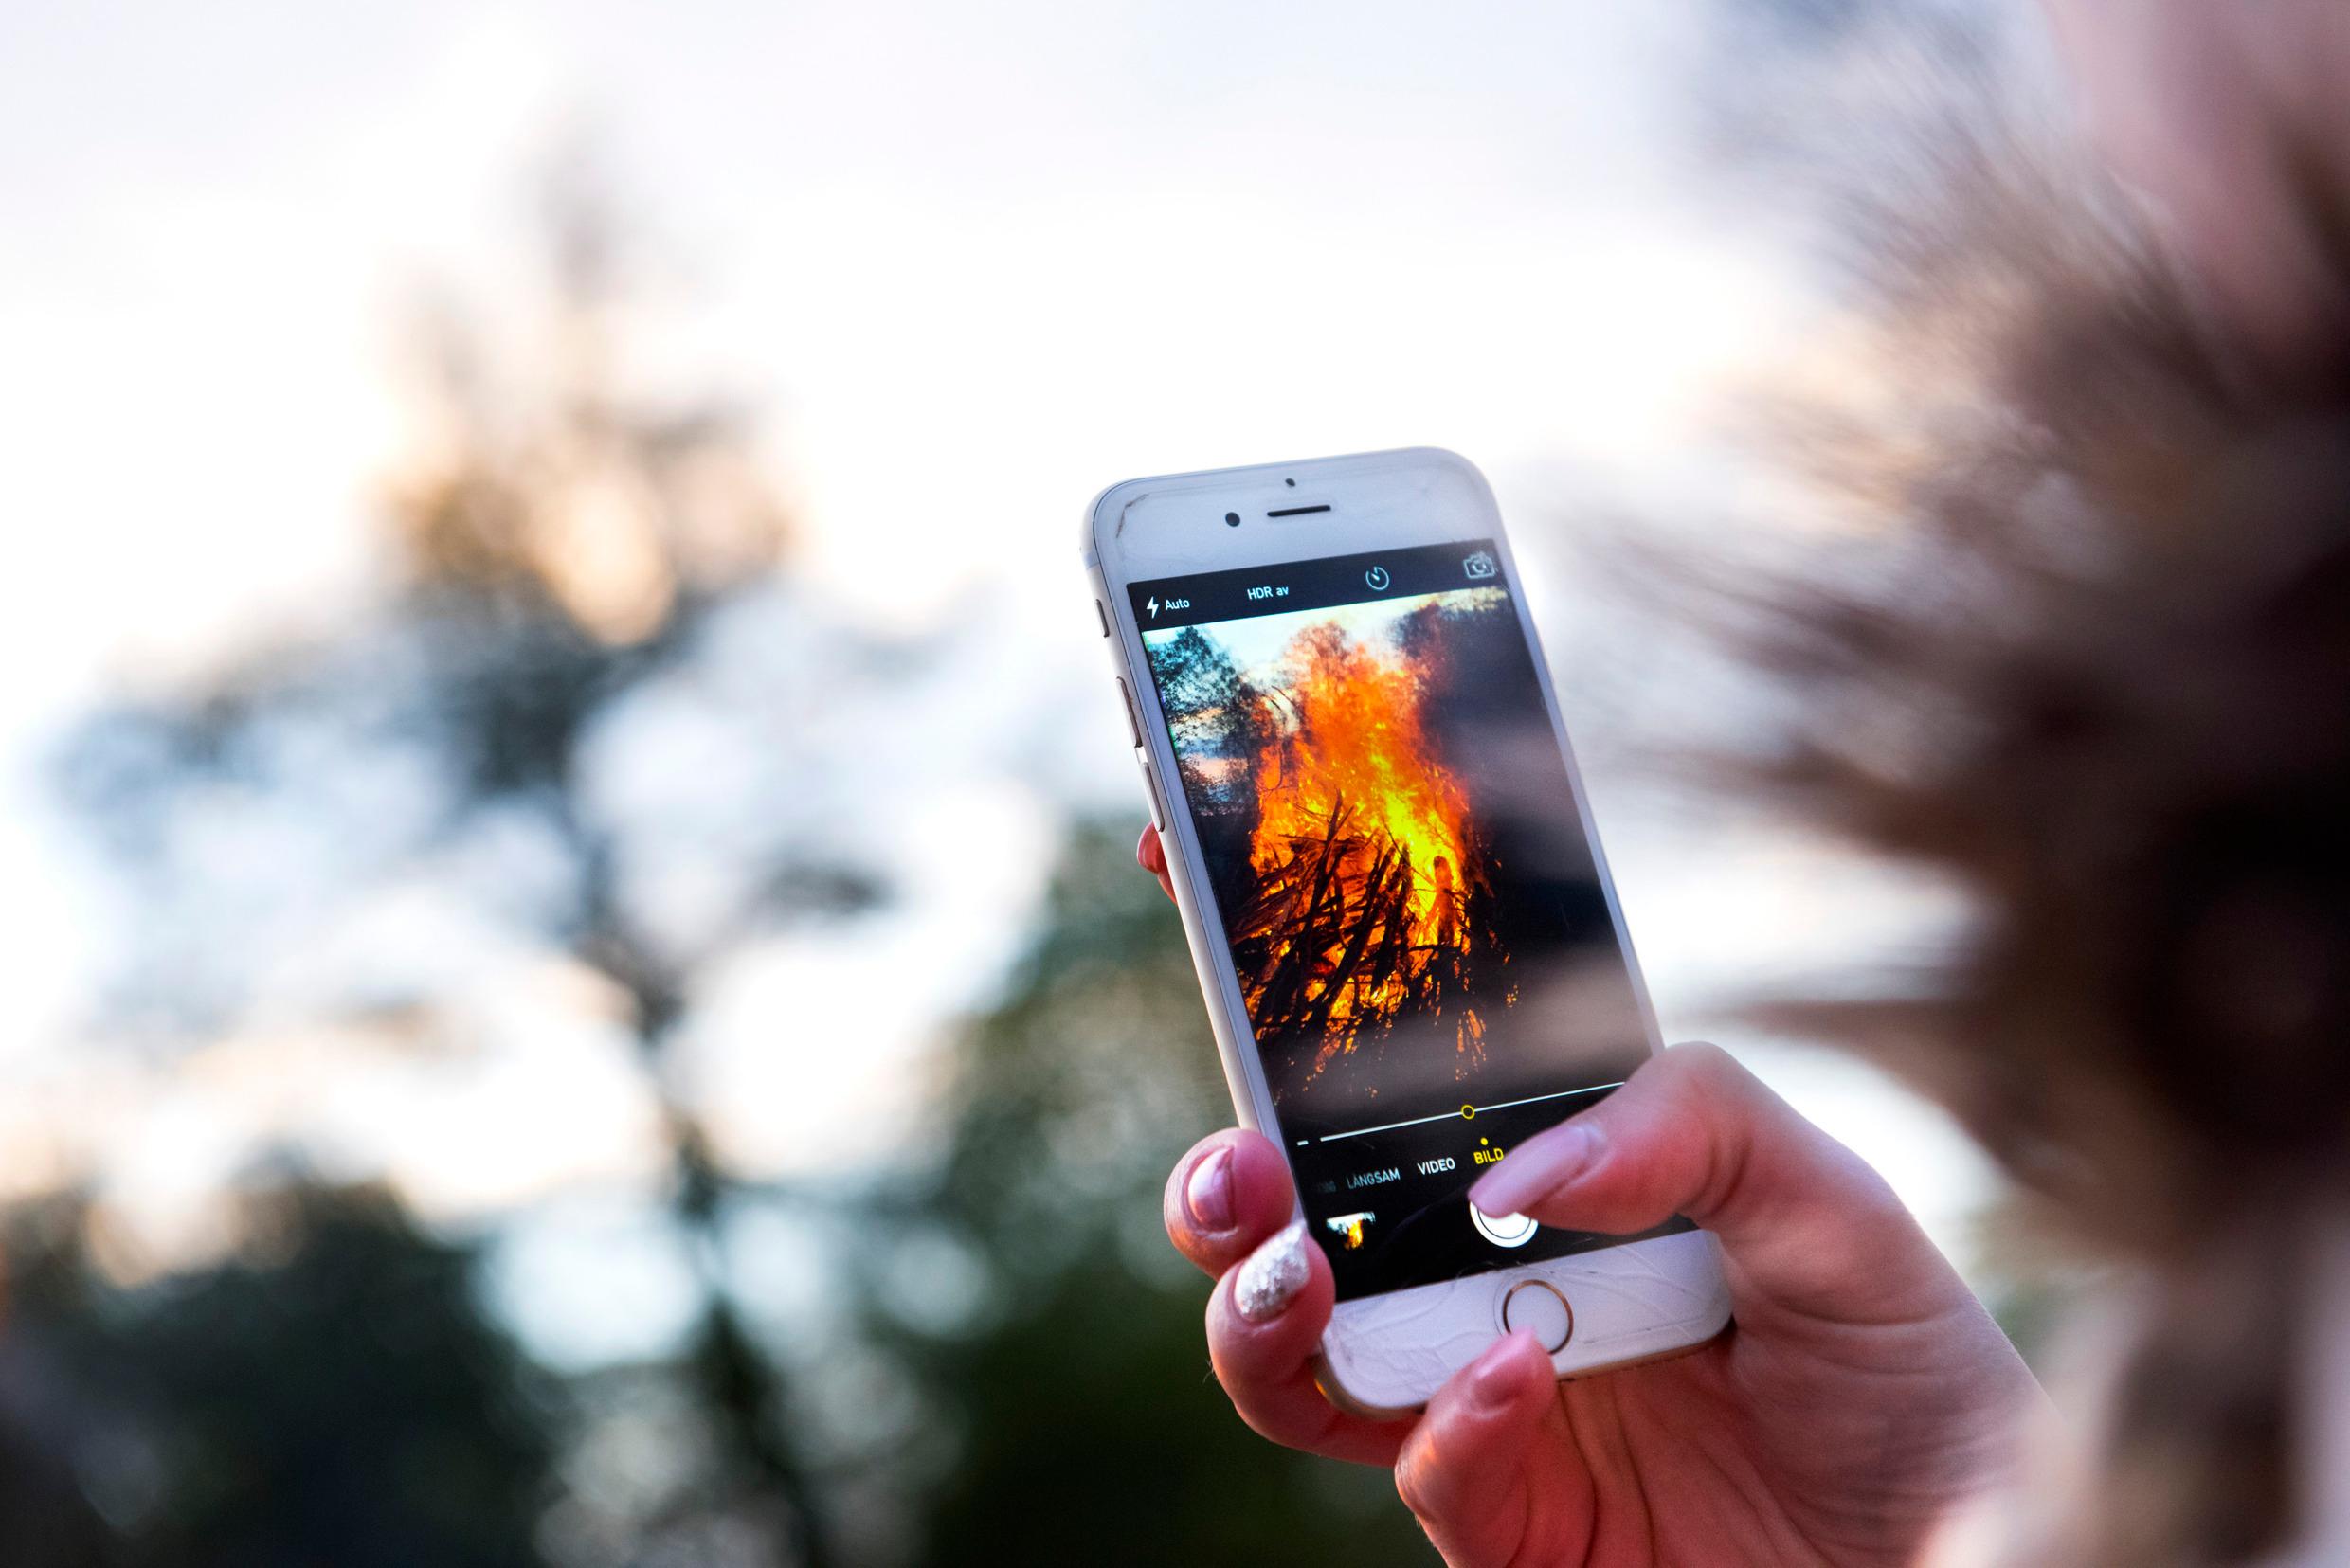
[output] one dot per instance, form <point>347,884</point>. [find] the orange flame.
<point>1366,859</point>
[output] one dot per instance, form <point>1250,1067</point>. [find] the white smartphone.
<point>1412,954</point>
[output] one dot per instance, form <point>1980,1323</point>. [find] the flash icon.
<point>1154,606</point>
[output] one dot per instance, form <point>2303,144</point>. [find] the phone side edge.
<point>1235,1044</point>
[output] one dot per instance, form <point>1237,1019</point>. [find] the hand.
<point>1861,1394</point>
<point>2230,121</point>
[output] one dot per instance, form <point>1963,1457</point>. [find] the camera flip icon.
<point>1480,566</point>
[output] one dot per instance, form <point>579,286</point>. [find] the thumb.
<point>1464,1471</point>
<point>1803,1222</point>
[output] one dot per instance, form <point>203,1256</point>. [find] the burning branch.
<point>1372,899</point>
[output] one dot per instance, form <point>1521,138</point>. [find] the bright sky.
<point>981,262</point>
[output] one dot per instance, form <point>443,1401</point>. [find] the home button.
<point>1536,1304</point>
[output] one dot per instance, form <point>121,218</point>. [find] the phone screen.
<point>1413,910</point>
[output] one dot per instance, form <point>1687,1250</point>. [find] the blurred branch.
<point>576,491</point>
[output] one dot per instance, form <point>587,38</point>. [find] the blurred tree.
<point>587,597</point>
<point>556,489</point>
<point>334,1396</point>
<point>564,545</point>
<point>1082,1424</point>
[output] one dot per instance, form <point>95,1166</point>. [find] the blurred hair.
<point>2094,669</point>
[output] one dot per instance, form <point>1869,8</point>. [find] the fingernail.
<point>1272,1275</point>
<point>1543,1165</point>
<point>1209,1193</point>
<point>1497,1377</point>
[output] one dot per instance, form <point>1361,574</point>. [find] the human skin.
<point>1861,1394</point>
<point>2231,123</point>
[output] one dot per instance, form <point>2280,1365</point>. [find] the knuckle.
<point>1706,1077</point>
<point>1409,1482</point>
<point>1415,1481</point>
<point>1244,1405</point>
<point>1263,1412</point>
<point>1263,1425</point>
<point>1704,1063</point>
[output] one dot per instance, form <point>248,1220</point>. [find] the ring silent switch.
<point>1536,1304</point>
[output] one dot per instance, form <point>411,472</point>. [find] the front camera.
<point>1232,520</point>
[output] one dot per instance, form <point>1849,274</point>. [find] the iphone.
<point>1411,952</point>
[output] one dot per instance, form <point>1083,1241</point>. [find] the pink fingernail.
<point>1545,1166</point>
<point>1495,1377</point>
<point>1209,1193</point>
<point>1272,1275</point>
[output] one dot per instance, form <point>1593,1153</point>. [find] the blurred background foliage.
<point>607,1050</point>
<point>1011,1367</point>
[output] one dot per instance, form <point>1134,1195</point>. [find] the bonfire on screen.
<point>1392,848</point>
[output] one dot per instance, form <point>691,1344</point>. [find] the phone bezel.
<point>1385,1352</point>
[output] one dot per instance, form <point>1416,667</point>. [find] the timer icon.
<point>1376,578</point>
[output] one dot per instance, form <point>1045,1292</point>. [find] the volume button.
<point>1133,718</point>
<point>1150,784</point>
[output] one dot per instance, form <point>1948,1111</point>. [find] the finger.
<point>1150,854</point>
<point>1802,1219</point>
<point>1264,1325</point>
<point>1462,1471</point>
<point>1228,1194</point>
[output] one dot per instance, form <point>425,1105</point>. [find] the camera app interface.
<point>1392,845</point>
